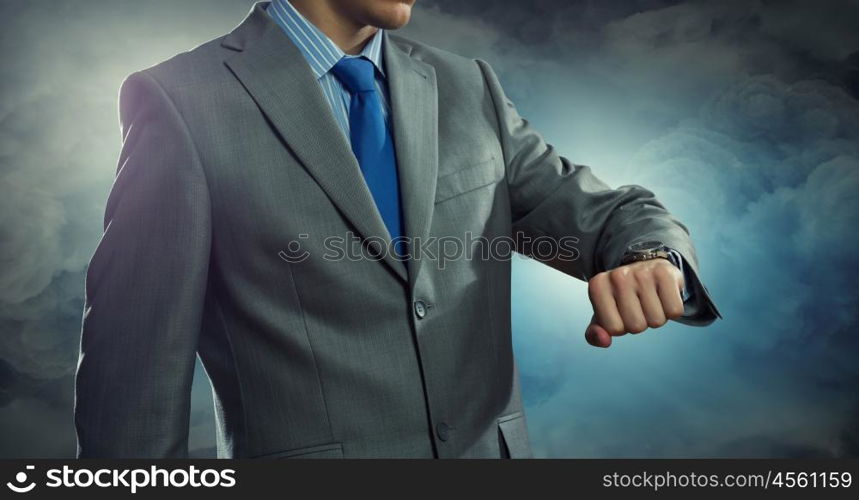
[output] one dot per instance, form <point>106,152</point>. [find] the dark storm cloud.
<point>742,116</point>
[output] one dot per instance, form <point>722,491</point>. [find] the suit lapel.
<point>414,109</point>
<point>276,75</point>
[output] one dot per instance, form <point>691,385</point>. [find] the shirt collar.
<point>320,52</point>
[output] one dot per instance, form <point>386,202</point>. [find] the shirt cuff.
<point>676,259</point>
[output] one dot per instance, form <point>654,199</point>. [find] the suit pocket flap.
<point>468,179</point>
<point>331,450</point>
<point>515,435</point>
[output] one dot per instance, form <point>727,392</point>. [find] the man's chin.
<point>394,20</point>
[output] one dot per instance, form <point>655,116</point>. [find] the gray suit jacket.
<point>230,152</point>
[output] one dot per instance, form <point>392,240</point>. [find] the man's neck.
<point>350,36</point>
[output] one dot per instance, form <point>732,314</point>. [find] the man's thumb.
<point>596,335</point>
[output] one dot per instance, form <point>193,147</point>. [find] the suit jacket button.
<point>442,430</point>
<point>420,309</point>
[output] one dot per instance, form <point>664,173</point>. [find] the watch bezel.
<point>646,246</point>
<point>646,250</point>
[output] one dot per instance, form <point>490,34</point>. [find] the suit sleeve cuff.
<point>698,308</point>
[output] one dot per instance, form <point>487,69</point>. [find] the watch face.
<point>644,246</point>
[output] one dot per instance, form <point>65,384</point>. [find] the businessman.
<point>252,161</point>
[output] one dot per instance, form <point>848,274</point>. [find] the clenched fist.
<point>633,297</point>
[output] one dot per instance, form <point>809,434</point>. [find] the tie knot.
<point>356,74</point>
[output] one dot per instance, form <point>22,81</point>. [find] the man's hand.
<point>631,298</point>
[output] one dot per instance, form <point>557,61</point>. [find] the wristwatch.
<point>646,250</point>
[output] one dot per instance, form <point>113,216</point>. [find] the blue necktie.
<point>371,141</point>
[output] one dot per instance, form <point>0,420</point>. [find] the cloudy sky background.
<point>742,116</point>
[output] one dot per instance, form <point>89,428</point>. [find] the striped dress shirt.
<point>322,54</point>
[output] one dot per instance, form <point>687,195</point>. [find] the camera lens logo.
<point>21,478</point>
